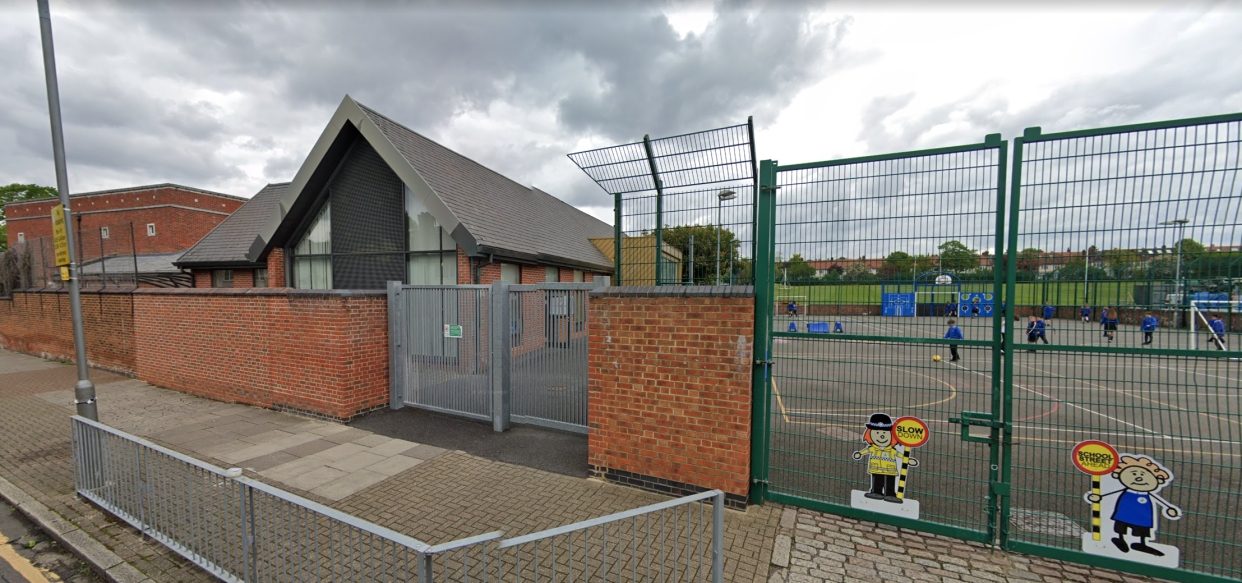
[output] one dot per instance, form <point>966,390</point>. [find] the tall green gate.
<point>1144,207</point>
<point>1117,239</point>
<point>841,229</point>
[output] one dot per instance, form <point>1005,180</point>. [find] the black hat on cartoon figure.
<point>880,421</point>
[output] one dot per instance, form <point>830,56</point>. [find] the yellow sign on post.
<point>60,237</point>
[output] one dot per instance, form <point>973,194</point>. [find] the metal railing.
<point>242,530</point>
<point>677,540</point>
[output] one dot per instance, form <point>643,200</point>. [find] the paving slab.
<point>372,440</point>
<point>340,452</point>
<point>348,484</point>
<point>315,478</point>
<point>356,462</point>
<point>268,461</point>
<point>392,447</point>
<point>294,468</point>
<point>346,436</point>
<point>394,465</point>
<point>310,448</point>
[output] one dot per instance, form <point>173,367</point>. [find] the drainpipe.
<point>491,258</point>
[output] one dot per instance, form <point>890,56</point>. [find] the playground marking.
<point>952,393</point>
<point>1127,393</point>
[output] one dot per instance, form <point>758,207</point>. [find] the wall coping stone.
<point>262,291</point>
<point>675,291</point>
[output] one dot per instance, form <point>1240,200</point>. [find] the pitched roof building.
<point>376,201</point>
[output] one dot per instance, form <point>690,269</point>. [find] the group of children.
<point>1037,326</point>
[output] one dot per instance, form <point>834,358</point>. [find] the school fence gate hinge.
<point>759,362</point>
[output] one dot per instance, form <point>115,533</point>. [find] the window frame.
<point>150,229</point>
<point>21,237</point>
<point>255,277</point>
<point>217,278</point>
<point>104,233</point>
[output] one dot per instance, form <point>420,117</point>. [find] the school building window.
<point>21,237</point>
<point>552,274</point>
<point>511,273</point>
<point>312,257</point>
<point>578,276</point>
<point>260,277</point>
<point>222,278</point>
<point>103,233</point>
<point>150,229</point>
<point>432,256</point>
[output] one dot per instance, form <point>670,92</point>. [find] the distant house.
<point>143,229</point>
<point>639,266</point>
<point>376,201</point>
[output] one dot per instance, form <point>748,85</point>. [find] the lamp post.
<point>721,197</point>
<point>1181,232</point>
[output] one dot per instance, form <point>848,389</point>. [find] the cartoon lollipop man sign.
<point>1131,504</point>
<point>888,463</point>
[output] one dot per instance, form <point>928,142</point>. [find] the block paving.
<point>436,495</point>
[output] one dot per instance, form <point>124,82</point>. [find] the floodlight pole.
<point>84,390</point>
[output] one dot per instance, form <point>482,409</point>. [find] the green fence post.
<point>765,219</point>
<point>1011,277</point>
<point>659,210</point>
<point>997,492</point>
<point>616,239</point>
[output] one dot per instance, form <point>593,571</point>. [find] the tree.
<point>704,250</point>
<point>1120,261</point>
<point>923,264</point>
<point>16,192</point>
<point>796,269</point>
<point>1030,259</point>
<point>1191,247</point>
<point>899,265</point>
<point>956,257</point>
<point>858,271</point>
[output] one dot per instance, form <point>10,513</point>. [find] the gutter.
<point>491,258</point>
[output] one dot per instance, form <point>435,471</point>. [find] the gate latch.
<point>759,362</point>
<point>969,418</point>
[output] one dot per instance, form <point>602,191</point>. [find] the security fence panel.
<point>683,207</point>
<point>441,343</point>
<point>1126,438</point>
<point>871,411</point>
<point>549,339</point>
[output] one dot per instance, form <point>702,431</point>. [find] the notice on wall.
<point>60,238</point>
<point>452,331</point>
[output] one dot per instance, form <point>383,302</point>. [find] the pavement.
<point>397,476</point>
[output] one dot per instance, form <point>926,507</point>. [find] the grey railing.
<point>242,530</point>
<point>677,540</point>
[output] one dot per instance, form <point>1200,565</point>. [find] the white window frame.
<point>103,232</point>
<point>215,283</point>
<point>150,229</point>
<point>255,277</point>
<point>21,237</point>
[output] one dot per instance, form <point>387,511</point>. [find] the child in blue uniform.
<point>1039,330</point>
<point>1032,335</point>
<point>1149,326</point>
<point>1086,313</point>
<point>792,308</point>
<point>1049,312</point>
<point>954,333</point>
<point>1109,321</point>
<point>1218,331</point>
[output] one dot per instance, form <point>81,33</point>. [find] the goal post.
<point>1200,313</point>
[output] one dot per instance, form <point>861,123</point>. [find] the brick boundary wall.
<point>670,388</point>
<point>40,323</point>
<point>318,352</point>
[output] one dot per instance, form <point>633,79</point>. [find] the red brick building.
<point>376,202</point>
<point>167,218</point>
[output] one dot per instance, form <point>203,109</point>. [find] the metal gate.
<point>843,381</point>
<point>500,353</point>
<point>1146,207</point>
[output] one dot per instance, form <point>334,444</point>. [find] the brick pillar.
<point>276,268</point>
<point>670,388</point>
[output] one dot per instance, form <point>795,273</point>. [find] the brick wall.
<point>670,388</point>
<point>276,268</point>
<point>181,217</point>
<point>319,352</point>
<point>40,323</point>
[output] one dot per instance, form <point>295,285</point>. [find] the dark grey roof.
<point>228,243</point>
<point>137,189</point>
<point>151,264</point>
<point>501,214</point>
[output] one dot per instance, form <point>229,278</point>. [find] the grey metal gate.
<point>497,353</point>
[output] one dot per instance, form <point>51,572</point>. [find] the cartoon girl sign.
<point>888,461</point>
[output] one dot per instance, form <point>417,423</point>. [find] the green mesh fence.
<point>1127,244</point>
<point>870,258</point>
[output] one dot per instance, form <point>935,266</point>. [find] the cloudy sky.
<point>232,98</point>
